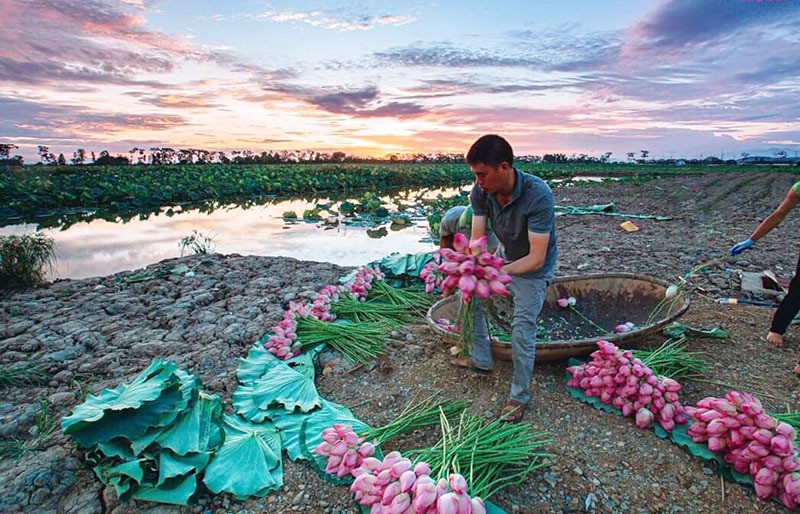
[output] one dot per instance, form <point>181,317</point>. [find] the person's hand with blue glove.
<point>740,247</point>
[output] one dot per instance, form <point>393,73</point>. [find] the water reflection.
<point>100,247</point>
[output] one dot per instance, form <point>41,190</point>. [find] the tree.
<point>5,156</point>
<point>62,161</point>
<point>631,156</point>
<point>645,154</point>
<point>79,156</point>
<point>47,157</point>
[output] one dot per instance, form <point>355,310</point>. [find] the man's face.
<point>490,178</point>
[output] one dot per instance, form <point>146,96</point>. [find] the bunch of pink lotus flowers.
<point>362,282</point>
<point>431,275</point>
<point>283,341</point>
<point>752,441</point>
<point>623,381</point>
<point>341,446</point>
<point>469,267</point>
<point>396,486</point>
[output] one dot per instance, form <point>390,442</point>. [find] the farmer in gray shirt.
<point>521,210</point>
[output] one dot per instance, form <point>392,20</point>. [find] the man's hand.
<point>740,247</point>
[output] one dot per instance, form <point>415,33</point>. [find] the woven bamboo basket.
<point>607,299</point>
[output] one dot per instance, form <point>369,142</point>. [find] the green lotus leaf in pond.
<point>280,385</point>
<point>380,212</point>
<point>249,462</point>
<point>377,233</point>
<point>347,207</point>
<point>290,215</point>
<point>311,214</point>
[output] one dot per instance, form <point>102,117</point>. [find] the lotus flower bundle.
<point>397,486</point>
<point>625,382</point>
<point>362,282</point>
<point>471,269</point>
<point>751,441</point>
<point>431,275</point>
<point>283,341</point>
<point>343,449</point>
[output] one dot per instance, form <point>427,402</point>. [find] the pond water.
<point>99,247</point>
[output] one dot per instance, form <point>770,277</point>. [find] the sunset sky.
<point>679,78</point>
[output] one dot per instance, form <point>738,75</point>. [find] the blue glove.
<point>740,247</point>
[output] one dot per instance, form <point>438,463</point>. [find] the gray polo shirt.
<point>531,208</point>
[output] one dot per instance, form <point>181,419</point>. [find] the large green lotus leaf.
<point>291,423</point>
<point>131,423</point>
<point>115,448</point>
<point>122,476</point>
<point>304,363</point>
<point>198,430</point>
<point>177,491</point>
<point>189,389</point>
<point>171,465</point>
<point>147,386</point>
<point>258,362</point>
<point>282,385</point>
<point>249,461</point>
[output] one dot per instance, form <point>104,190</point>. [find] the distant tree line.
<point>165,155</point>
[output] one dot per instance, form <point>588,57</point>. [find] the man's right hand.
<point>740,247</point>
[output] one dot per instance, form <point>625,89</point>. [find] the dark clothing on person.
<point>789,306</point>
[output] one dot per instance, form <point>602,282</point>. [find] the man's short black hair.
<point>491,150</point>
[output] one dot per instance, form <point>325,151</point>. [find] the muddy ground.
<point>96,333</point>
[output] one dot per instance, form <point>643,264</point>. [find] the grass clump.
<point>198,243</point>
<point>25,260</point>
<point>21,375</point>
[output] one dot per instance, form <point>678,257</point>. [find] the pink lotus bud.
<point>400,504</point>
<point>477,505</point>
<point>498,288</point>
<point>390,458</point>
<point>351,439</point>
<point>478,246</point>
<point>627,410</point>
<point>447,504</point>
<point>716,444</point>
<point>458,483</point>
<point>789,500</point>
<point>407,480</point>
<point>790,464</point>
<point>785,429</point>
<point>323,449</point>
<point>667,411</point>
<point>467,284</point>
<point>366,450</point>
<point>424,498</point>
<point>460,242</point>
<point>764,420</point>
<point>764,491</point>
<point>482,289</point>
<point>466,268</point>
<point>643,418</point>
<point>730,422</point>
<point>621,329</point>
<point>781,445</point>
<point>763,436</point>
<point>392,490</point>
<point>707,415</point>
<point>667,424</point>
<point>724,407</point>
<point>422,468</point>
<point>400,467</point>
<point>371,463</point>
<point>773,462</point>
<point>339,448</point>
<point>716,428</point>
<point>563,303</point>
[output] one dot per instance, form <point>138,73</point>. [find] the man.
<point>520,208</point>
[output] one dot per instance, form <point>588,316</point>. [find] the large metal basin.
<point>606,299</point>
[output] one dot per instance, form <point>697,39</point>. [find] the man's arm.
<point>478,226</point>
<point>535,258</point>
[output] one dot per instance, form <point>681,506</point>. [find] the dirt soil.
<point>101,332</point>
